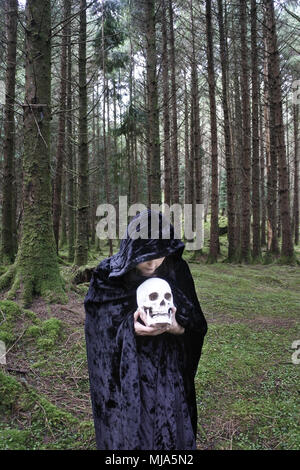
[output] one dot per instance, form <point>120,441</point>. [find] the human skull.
<point>155,299</point>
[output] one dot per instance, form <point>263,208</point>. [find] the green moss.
<point>52,327</point>
<point>10,390</point>
<point>33,331</point>
<point>46,420</point>
<point>14,439</point>
<point>10,314</point>
<point>15,286</point>
<point>10,308</point>
<point>6,278</point>
<point>50,331</point>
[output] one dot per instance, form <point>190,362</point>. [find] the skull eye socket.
<point>168,296</point>
<point>153,296</point>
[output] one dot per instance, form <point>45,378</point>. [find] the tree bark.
<point>245,254</point>
<point>36,270</point>
<point>256,252</point>
<point>214,225</point>
<point>174,136</point>
<point>296,174</point>
<point>81,251</point>
<point>153,141</point>
<point>228,140</point>
<point>271,165</point>
<point>187,175</point>
<point>277,140</point>
<point>166,114</point>
<point>9,210</point>
<point>263,241</point>
<point>60,153</point>
<point>69,149</point>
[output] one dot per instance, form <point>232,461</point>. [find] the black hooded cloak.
<point>142,387</point>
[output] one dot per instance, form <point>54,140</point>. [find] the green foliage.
<point>46,420</point>
<point>133,120</point>
<point>47,333</point>
<point>12,314</point>
<point>10,391</point>
<point>114,35</point>
<point>14,439</point>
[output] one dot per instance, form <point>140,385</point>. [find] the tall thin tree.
<point>60,152</point>
<point>256,253</point>
<point>174,136</point>
<point>153,140</point>
<point>81,251</point>
<point>36,269</point>
<point>227,137</point>
<point>277,129</point>
<point>245,254</point>
<point>214,224</point>
<point>8,211</point>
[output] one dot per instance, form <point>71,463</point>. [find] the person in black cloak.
<point>142,378</point>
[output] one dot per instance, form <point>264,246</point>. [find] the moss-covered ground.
<point>247,384</point>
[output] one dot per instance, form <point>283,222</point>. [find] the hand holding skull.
<point>141,329</point>
<point>155,309</point>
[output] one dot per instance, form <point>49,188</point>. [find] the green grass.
<point>247,385</point>
<point>248,291</point>
<point>247,389</point>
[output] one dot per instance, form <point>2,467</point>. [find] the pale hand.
<point>154,330</point>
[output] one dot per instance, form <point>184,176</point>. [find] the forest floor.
<point>247,384</point>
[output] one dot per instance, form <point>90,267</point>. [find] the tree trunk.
<point>195,166</point>
<point>152,101</point>
<point>271,164</point>
<point>277,130</point>
<point>245,254</point>
<point>214,225</point>
<point>9,210</point>
<point>166,115</point>
<point>81,251</point>
<point>187,175</point>
<point>263,241</point>
<point>296,174</point>
<point>60,153</point>
<point>69,149</point>
<point>174,137</point>
<point>228,140</point>
<point>36,268</point>
<point>256,253</point>
<point>237,146</point>
<point>105,125</point>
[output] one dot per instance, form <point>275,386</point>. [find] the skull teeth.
<point>149,310</point>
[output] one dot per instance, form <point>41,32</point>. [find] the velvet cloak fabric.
<point>142,387</point>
